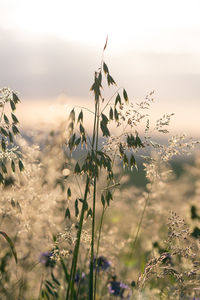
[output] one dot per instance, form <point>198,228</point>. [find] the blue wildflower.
<point>101,263</point>
<point>117,288</point>
<point>46,258</point>
<point>79,277</point>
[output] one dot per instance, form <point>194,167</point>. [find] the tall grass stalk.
<point>133,244</point>
<point>95,160</point>
<point>70,290</point>
<point>95,138</point>
<point>91,284</point>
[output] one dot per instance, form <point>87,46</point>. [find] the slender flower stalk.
<point>70,290</point>
<point>94,208</point>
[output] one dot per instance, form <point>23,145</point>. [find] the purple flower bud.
<point>46,258</point>
<point>117,288</point>
<point>79,277</point>
<point>101,263</point>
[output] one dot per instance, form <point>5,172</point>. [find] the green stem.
<point>64,269</point>
<point>98,245</point>
<point>139,227</point>
<point>94,125</point>
<point>41,284</point>
<point>70,290</point>
<point>92,244</point>
<point>108,102</point>
<point>92,291</point>
<point>100,230</point>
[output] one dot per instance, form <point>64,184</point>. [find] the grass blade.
<point>11,244</point>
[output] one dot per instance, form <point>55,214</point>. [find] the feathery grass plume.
<point>176,271</point>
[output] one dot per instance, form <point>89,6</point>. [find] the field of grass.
<point>101,216</point>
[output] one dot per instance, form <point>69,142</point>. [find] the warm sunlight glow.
<point>52,47</point>
<point>128,23</point>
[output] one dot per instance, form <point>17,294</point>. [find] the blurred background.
<point>49,51</point>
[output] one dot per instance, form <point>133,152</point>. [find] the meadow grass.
<point>74,225</point>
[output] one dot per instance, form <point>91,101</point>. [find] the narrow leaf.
<point>72,115</point>
<point>12,105</point>
<point>100,79</point>
<point>11,244</point>
<point>21,166</point>
<point>125,96</point>
<point>118,99</point>
<point>116,115</point>
<point>49,290</point>
<point>77,169</point>
<point>6,119</point>
<point>131,141</point>
<point>15,120</point>
<point>110,80</point>
<point>13,166</point>
<point>1,178</point>
<point>71,142</point>
<point>50,284</point>
<point>105,68</point>
<point>10,137</point>
<point>69,193</point>
<point>139,142</point>
<point>82,129</point>
<point>102,200</point>
<point>15,129</point>
<point>3,167</point>
<point>111,114</point>
<point>76,208</point>
<point>3,131</point>
<point>104,118</point>
<point>89,213</point>
<point>54,279</point>
<point>132,161</point>
<point>80,117</point>
<point>67,213</point>
<point>15,98</point>
<point>104,129</point>
<point>108,197</point>
<point>85,205</point>
<point>121,150</point>
<point>45,294</point>
<point>3,144</point>
<point>125,160</point>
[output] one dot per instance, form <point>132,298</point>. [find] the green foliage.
<point>8,129</point>
<point>9,156</point>
<point>50,289</point>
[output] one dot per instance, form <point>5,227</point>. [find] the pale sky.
<point>49,48</point>
<point>169,26</point>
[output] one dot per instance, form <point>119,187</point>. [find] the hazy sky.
<point>48,48</point>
